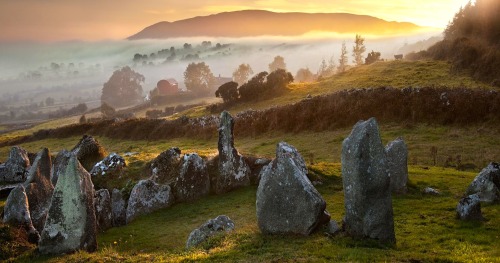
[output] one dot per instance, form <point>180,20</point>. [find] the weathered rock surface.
<point>165,167</point>
<point>146,197</point>
<point>367,193</point>
<point>71,221</point>
<point>118,208</point>
<point>89,152</point>
<point>39,189</point>
<point>112,165</point>
<point>16,167</point>
<point>332,228</point>
<point>487,184</point>
<point>16,212</point>
<point>212,227</point>
<point>233,170</point>
<point>193,181</point>
<point>7,188</point>
<point>469,208</point>
<point>287,202</point>
<point>397,165</point>
<point>256,165</point>
<point>103,213</point>
<point>59,165</point>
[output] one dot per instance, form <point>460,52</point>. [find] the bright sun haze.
<point>91,20</point>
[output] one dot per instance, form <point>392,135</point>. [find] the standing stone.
<point>147,197</point>
<point>469,208</point>
<point>287,202</point>
<point>233,170</point>
<point>17,213</point>
<point>212,227</point>
<point>397,165</point>
<point>111,166</point>
<point>71,221</point>
<point>89,152</point>
<point>367,194</point>
<point>165,167</point>
<point>39,189</point>
<point>16,167</point>
<point>118,208</point>
<point>193,181</point>
<point>487,184</point>
<point>59,165</point>
<point>103,213</point>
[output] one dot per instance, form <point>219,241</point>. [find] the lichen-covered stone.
<point>89,151</point>
<point>367,194</point>
<point>287,202</point>
<point>112,165</point>
<point>193,181</point>
<point>16,167</point>
<point>165,167</point>
<point>146,197</point>
<point>39,189</point>
<point>469,208</point>
<point>220,224</point>
<point>103,213</point>
<point>397,165</point>
<point>59,165</point>
<point>487,184</point>
<point>118,208</point>
<point>71,221</point>
<point>16,213</point>
<point>233,170</point>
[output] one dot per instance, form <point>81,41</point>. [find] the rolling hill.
<point>252,23</point>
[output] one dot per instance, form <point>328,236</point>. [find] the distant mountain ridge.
<point>253,23</point>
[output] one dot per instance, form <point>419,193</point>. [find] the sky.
<point>96,20</point>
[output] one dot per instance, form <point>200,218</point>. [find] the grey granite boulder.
<point>89,151</point>
<point>118,208</point>
<point>59,165</point>
<point>469,208</point>
<point>165,168</point>
<point>112,165</point>
<point>193,181</point>
<point>16,167</point>
<point>367,193</point>
<point>233,170</point>
<point>39,189</point>
<point>287,202</point>
<point>103,212</point>
<point>487,184</point>
<point>220,224</point>
<point>16,213</point>
<point>71,221</point>
<point>146,197</point>
<point>397,165</point>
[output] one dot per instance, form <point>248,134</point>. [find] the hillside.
<point>252,23</point>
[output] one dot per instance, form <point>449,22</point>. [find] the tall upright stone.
<point>193,181</point>
<point>17,213</point>
<point>89,152</point>
<point>397,165</point>
<point>118,208</point>
<point>103,212</point>
<point>39,189</point>
<point>59,165</point>
<point>16,167</point>
<point>71,221</point>
<point>233,170</point>
<point>367,194</point>
<point>287,202</point>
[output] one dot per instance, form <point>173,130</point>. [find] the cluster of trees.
<point>123,88</point>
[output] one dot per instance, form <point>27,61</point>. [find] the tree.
<point>372,57</point>
<point>228,92</point>
<point>358,50</point>
<point>326,70</point>
<point>107,111</point>
<point>278,80</point>
<point>242,74</point>
<point>304,75</point>
<point>343,58</point>
<point>254,87</point>
<point>123,88</point>
<point>198,77</point>
<point>278,63</point>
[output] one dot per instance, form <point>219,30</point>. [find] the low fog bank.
<point>74,72</point>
